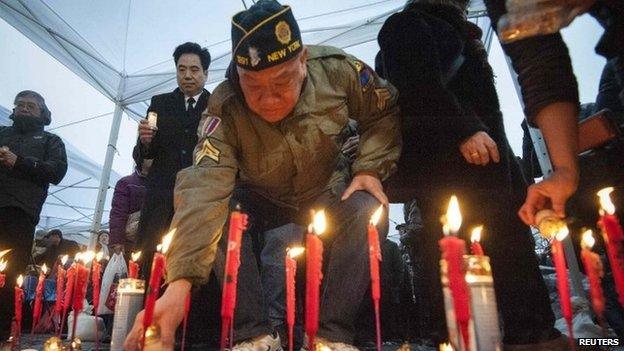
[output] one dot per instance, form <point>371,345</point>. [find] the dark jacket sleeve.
<point>140,153</point>
<point>52,169</point>
<point>120,209</point>
<point>543,66</point>
<point>431,114</point>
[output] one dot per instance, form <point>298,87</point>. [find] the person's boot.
<point>268,342</point>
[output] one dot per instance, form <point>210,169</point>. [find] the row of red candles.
<point>453,250</point>
<point>451,246</point>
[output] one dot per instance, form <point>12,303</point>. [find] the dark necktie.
<point>190,103</point>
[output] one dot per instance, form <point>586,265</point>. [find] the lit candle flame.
<point>44,269</point>
<point>446,347</point>
<point>86,257</point>
<point>322,347</point>
<point>166,241</point>
<point>20,281</point>
<point>78,256</point>
<point>319,224</point>
<point>562,233</point>
<point>136,256</point>
<point>99,256</point>
<point>295,251</point>
<point>476,234</point>
<point>376,216</point>
<point>605,200</point>
<point>4,252</point>
<point>3,265</point>
<point>452,221</point>
<point>64,259</point>
<point>588,240</point>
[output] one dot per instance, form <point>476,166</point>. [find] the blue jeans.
<point>345,278</point>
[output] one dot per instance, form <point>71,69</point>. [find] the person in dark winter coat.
<point>455,143</point>
<point>30,159</point>
<point>127,201</point>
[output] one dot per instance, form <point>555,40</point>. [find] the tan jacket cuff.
<point>189,270</point>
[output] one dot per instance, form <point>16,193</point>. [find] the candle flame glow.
<point>166,241</point>
<point>452,220</point>
<point>588,240</point>
<point>446,347</point>
<point>64,259</point>
<point>20,281</point>
<point>376,216</point>
<point>78,256</point>
<point>476,234</point>
<point>4,252</point>
<point>86,257</point>
<point>136,256</point>
<point>562,233</point>
<point>3,265</point>
<point>99,256</point>
<point>295,251</point>
<point>44,269</point>
<point>319,223</point>
<point>322,347</point>
<point>605,200</point>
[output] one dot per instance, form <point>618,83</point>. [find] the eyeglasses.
<point>30,106</point>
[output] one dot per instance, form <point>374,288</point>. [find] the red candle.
<point>81,280</point>
<point>69,292</point>
<point>238,223</point>
<point>38,307</point>
<point>3,265</point>
<point>19,300</point>
<point>96,270</point>
<point>594,272</point>
<point>187,308</point>
<point>374,255</point>
<point>314,275</point>
<point>563,285</point>
<point>156,275</point>
<point>96,275</point>
<point>453,251</point>
<point>60,285</point>
<point>133,266</point>
<point>291,271</point>
<point>475,240</point>
<point>614,237</point>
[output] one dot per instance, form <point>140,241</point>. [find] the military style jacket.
<point>289,162</point>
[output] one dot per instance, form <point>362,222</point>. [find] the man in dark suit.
<point>170,144</point>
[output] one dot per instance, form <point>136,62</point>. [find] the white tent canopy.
<point>123,50</point>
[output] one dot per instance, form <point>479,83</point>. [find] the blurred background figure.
<point>126,208</point>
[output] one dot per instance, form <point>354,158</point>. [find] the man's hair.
<point>193,48</point>
<point>57,232</point>
<point>33,94</point>
<point>45,112</point>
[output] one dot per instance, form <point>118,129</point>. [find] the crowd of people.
<point>297,127</point>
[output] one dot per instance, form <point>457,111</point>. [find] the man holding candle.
<point>272,129</point>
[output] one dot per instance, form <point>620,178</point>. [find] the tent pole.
<point>547,169</point>
<point>106,171</point>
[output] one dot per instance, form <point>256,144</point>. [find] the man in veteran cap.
<point>272,130</point>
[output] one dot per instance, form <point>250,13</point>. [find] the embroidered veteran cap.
<point>265,35</point>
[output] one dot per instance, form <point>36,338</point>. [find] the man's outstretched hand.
<point>168,314</point>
